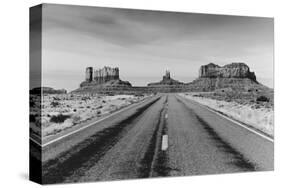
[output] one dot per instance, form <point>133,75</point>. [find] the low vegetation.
<point>59,118</point>
<point>253,109</point>
<point>63,111</point>
<point>262,99</point>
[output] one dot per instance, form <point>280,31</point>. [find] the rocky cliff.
<point>234,75</point>
<point>106,76</point>
<point>166,81</point>
<point>233,70</point>
<point>89,74</point>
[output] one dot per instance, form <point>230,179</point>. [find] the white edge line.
<point>234,121</point>
<point>84,127</point>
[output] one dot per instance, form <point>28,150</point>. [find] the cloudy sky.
<point>145,43</point>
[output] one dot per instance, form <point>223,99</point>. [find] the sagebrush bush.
<point>262,99</point>
<point>76,119</point>
<point>59,118</point>
<point>55,104</point>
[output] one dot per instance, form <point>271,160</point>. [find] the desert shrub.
<point>252,100</point>
<point>262,99</point>
<point>85,98</point>
<point>228,99</point>
<point>139,95</point>
<point>197,95</point>
<point>76,119</point>
<point>98,112</point>
<point>99,107</point>
<point>74,110</point>
<point>109,94</point>
<point>55,104</point>
<point>59,118</point>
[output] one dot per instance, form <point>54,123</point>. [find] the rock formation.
<point>234,75</point>
<point>89,74</point>
<point>167,81</point>
<point>105,76</point>
<point>233,70</point>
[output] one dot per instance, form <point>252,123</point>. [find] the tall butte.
<point>106,77</point>
<point>166,81</point>
<point>235,76</point>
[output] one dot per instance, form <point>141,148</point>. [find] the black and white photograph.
<point>120,94</point>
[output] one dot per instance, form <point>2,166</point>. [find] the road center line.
<point>164,142</point>
<point>166,116</point>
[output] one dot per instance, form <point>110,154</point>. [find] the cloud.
<point>75,36</point>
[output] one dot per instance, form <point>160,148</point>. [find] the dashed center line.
<point>164,142</point>
<point>166,116</point>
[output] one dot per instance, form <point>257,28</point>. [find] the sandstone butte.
<point>211,77</point>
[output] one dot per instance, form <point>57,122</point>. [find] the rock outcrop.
<point>167,81</point>
<point>89,74</point>
<point>106,76</point>
<point>233,70</point>
<point>103,75</point>
<point>234,75</point>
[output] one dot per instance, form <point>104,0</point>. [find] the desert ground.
<point>172,134</point>
<point>61,112</point>
<point>254,109</point>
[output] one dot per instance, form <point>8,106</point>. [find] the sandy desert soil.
<point>246,107</point>
<point>63,111</point>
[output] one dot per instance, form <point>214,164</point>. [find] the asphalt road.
<point>166,135</point>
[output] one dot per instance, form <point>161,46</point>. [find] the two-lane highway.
<point>164,136</point>
<point>200,144</point>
